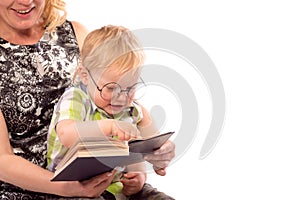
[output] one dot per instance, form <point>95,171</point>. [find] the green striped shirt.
<point>75,104</point>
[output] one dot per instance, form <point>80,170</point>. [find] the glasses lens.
<point>110,90</point>
<point>113,90</point>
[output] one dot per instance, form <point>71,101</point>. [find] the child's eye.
<point>111,88</point>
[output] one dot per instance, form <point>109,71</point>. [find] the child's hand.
<point>124,130</point>
<point>133,182</point>
<point>162,157</point>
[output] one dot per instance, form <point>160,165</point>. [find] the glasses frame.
<point>127,90</point>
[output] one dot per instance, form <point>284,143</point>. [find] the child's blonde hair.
<point>112,45</point>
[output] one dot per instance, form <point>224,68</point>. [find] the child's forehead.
<point>115,75</point>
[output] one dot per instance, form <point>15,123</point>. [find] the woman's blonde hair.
<point>112,46</point>
<point>54,14</point>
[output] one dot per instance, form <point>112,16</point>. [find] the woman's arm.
<point>80,32</point>
<point>20,172</point>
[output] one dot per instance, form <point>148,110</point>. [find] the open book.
<point>93,156</point>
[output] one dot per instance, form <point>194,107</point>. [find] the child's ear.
<point>83,74</point>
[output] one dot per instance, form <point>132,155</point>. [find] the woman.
<point>39,53</point>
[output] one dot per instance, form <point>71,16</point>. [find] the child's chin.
<point>114,111</point>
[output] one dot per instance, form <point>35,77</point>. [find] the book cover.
<point>90,157</point>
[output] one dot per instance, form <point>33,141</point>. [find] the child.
<point>109,79</point>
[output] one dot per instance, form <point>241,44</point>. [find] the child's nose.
<point>122,96</point>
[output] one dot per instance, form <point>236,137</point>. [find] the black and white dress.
<point>32,78</point>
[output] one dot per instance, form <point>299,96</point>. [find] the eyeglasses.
<point>113,90</point>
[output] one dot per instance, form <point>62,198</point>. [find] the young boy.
<point>109,80</point>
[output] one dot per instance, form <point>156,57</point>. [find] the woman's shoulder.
<point>80,31</point>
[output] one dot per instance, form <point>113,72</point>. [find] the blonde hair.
<point>54,14</point>
<point>112,46</point>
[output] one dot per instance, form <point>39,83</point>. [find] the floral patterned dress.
<point>32,78</point>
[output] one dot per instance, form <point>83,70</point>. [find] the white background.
<point>255,46</point>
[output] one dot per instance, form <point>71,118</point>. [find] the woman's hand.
<point>162,157</point>
<point>133,182</point>
<point>91,188</point>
